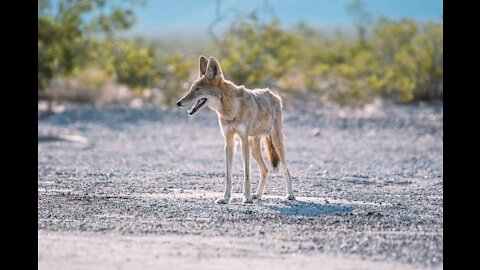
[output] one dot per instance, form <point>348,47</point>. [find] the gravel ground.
<point>140,194</point>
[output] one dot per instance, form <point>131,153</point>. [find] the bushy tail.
<point>272,154</point>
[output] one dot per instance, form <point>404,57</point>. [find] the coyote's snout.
<point>251,115</point>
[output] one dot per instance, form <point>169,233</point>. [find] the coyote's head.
<point>205,90</point>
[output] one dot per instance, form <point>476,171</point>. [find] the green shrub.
<point>399,59</point>
<point>135,67</point>
<point>176,71</point>
<point>65,34</point>
<point>257,54</point>
<point>410,59</point>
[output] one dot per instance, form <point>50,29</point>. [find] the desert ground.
<point>136,189</point>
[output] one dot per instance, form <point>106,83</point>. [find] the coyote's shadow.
<point>309,209</point>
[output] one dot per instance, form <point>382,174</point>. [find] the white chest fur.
<point>240,129</point>
<point>214,103</point>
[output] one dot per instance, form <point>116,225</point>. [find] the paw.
<point>290,197</point>
<point>256,196</point>
<point>223,200</point>
<point>247,200</point>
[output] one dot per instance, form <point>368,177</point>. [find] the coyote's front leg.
<point>229,152</point>
<point>247,197</point>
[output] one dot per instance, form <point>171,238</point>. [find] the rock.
<point>315,132</point>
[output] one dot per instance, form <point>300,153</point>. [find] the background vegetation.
<point>81,58</point>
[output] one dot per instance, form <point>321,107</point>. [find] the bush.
<point>400,59</point>
<point>135,67</point>
<point>85,86</point>
<point>176,70</point>
<point>257,55</point>
<point>410,59</point>
<point>65,35</point>
<point>397,59</point>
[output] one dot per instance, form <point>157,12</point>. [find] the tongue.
<point>195,105</point>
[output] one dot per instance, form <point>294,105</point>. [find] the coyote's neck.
<point>229,99</point>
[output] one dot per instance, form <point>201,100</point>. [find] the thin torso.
<point>256,113</point>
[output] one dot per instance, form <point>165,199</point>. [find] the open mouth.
<point>197,106</point>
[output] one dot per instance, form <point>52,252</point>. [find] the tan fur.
<point>248,114</point>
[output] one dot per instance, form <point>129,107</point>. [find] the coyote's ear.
<point>214,71</point>
<point>203,61</point>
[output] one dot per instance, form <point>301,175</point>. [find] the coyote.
<point>252,115</point>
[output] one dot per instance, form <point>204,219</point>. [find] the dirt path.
<point>114,251</point>
<point>141,194</point>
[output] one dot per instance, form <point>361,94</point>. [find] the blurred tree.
<point>66,32</point>
<point>400,59</point>
<point>411,58</point>
<point>256,54</point>
<point>357,8</point>
<point>133,65</point>
<point>175,70</point>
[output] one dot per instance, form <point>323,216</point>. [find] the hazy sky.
<point>196,15</point>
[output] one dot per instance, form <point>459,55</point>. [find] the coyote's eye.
<point>197,88</point>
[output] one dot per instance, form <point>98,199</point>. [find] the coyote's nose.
<point>179,103</point>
